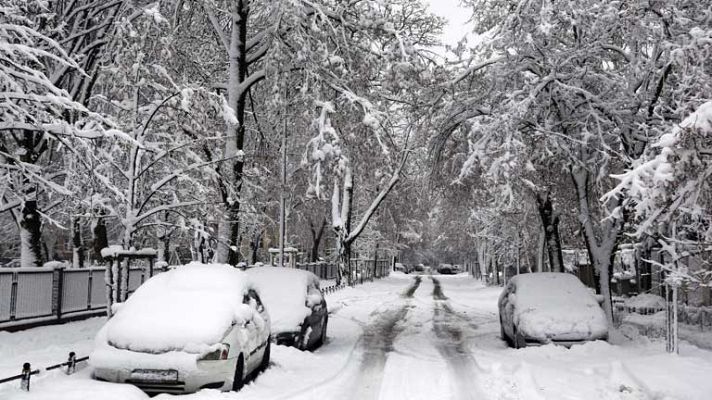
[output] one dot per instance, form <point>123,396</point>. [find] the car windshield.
<point>545,290</point>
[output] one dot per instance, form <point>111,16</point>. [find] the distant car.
<point>400,267</point>
<point>295,303</point>
<point>446,269</point>
<point>549,307</point>
<point>419,268</point>
<point>194,327</point>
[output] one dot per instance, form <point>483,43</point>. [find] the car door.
<point>252,333</point>
<point>316,319</point>
<point>509,309</point>
<point>258,329</point>
<point>506,309</point>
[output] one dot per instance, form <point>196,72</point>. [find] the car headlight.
<point>220,353</point>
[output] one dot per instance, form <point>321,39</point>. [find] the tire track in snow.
<point>377,343</point>
<point>412,288</point>
<point>452,345</point>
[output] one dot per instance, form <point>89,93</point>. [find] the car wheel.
<point>519,342</point>
<point>501,331</point>
<point>265,357</point>
<point>322,336</point>
<point>238,379</point>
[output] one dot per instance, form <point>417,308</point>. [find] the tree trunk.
<point>228,232</point>
<point>255,246</point>
<point>550,222</point>
<point>30,235</point>
<point>78,247</point>
<point>316,240</point>
<point>101,240</point>
<point>601,250</point>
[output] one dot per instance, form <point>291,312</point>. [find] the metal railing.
<point>39,296</point>
<point>35,296</point>
<point>27,371</point>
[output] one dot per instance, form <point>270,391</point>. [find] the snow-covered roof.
<point>284,293</point>
<point>187,309</point>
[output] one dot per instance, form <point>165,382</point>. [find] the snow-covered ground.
<point>398,339</point>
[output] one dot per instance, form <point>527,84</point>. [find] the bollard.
<point>71,363</point>
<point>25,380</point>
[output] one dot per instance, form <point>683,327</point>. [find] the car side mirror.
<point>599,298</point>
<point>511,298</point>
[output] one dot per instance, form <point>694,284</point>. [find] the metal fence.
<point>32,296</point>
<point>362,269</point>
<point>36,296</point>
<point>322,270</point>
<point>700,317</point>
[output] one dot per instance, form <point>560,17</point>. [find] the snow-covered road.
<point>404,337</point>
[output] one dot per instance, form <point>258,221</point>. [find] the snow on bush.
<point>187,309</point>
<point>284,293</point>
<point>558,306</point>
<point>645,300</point>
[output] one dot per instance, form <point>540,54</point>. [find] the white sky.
<point>456,16</point>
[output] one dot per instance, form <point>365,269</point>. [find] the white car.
<point>296,305</point>
<point>549,307</point>
<point>195,327</point>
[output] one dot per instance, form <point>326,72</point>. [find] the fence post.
<point>71,363</point>
<point>13,296</point>
<point>57,290</point>
<point>26,374</point>
<point>90,278</point>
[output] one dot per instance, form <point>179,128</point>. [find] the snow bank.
<point>78,388</point>
<point>186,309</point>
<point>284,293</point>
<point>556,306</point>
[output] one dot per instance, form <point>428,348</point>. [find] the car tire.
<point>266,355</point>
<point>239,379</point>
<point>519,342</point>
<point>322,336</point>
<point>502,334</point>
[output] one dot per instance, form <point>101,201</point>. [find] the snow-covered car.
<point>446,269</point>
<point>296,305</point>
<point>400,267</point>
<point>549,307</point>
<point>194,327</point>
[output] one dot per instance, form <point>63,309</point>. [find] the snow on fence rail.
<point>36,296</point>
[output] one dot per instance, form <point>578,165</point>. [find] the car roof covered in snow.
<point>185,309</point>
<point>284,293</point>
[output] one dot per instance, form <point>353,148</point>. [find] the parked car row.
<point>208,326</point>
